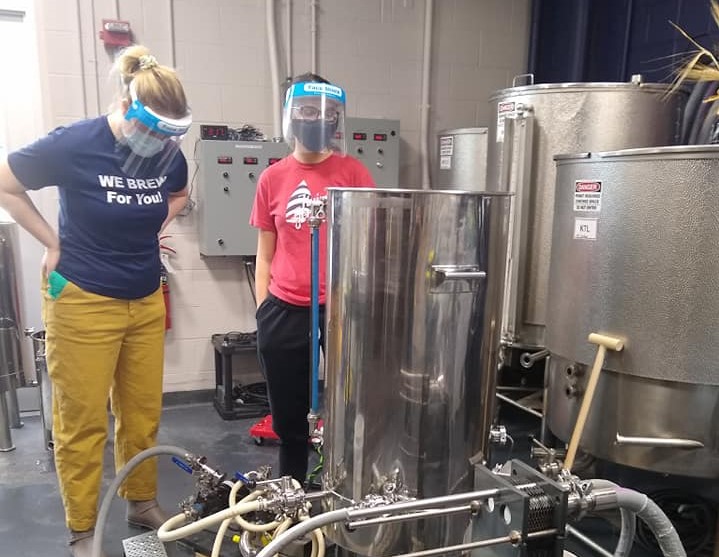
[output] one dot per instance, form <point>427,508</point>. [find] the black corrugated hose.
<point>693,517</point>
<point>251,400</point>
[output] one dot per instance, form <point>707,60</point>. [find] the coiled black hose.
<point>693,517</point>
<point>250,400</point>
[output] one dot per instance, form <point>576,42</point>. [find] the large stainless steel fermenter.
<point>533,124</point>
<point>635,255</point>
<point>415,282</point>
<point>12,373</point>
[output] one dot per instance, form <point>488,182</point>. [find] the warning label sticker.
<point>504,109</point>
<point>445,163</point>
<point>446,146</point>
<point>585,229</point>
<point>588,196</point>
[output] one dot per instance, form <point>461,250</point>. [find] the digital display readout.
<point>213,132</point>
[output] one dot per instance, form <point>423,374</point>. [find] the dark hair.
<point>309,77</point>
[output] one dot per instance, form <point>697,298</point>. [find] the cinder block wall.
<point>373,48</point>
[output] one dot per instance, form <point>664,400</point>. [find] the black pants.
<point>283,346</point>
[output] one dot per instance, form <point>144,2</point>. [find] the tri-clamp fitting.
<point>317,212</point>
<point>549,459</point>
<point>284,497</point>
<point>583,497</point>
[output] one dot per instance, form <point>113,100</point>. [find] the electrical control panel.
<point>229,170</point>
<point>228,176</point>
<point>375,142</point>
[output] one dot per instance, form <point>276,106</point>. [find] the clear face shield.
<point>151,140</point>
<point>314,115</point>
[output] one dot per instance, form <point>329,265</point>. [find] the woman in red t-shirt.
<point>313,123</point>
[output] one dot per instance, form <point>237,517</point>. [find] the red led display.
<point>213,132</point>
<point>359,136</point>
<point>380,137</point>
<point>224,160</point>
<point>250,160</point>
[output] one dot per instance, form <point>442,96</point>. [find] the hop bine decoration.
<point>703,64</point>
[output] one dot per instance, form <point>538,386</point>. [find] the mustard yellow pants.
<point>100,347</point>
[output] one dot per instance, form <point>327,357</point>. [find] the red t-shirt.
<point>280,191</point>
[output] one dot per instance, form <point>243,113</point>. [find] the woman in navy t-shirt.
<point>121,178</point>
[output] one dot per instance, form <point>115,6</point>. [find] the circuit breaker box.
<point>229,170</point>
<point>227,181</point>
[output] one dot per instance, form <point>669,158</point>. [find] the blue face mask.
<point>315,135</point>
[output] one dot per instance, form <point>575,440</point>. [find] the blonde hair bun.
<point>134,59</point>
<point>157,86</point>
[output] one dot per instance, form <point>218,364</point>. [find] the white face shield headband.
<point>314,115</point>
<point>152,139</point>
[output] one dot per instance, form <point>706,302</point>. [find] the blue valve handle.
<point>182,464</point>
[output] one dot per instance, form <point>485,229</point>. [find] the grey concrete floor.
<point>31,514</point>
<point>32,518</point>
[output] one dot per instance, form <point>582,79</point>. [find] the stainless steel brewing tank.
<point>636,255</point>
<point>11,330</point>
<point>461,159</point>
<point>533,124</point>
<point>414,291</point>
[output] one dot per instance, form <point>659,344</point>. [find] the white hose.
<point>320,543</point>
<point>288,11</point>
<point>424,104</point>
<point>251,526</point>
<point>629,522</point>
<point>278,526</point>
<point>313,36</point>
<point>167,533</point>
<point>241,522</point>
<point>274,67</point>
<point>305,527</point>
<point>120,478</point>
<point>281,530</point>
<point>219,538</point>
<point>318,540</point>
<point>653,516</point>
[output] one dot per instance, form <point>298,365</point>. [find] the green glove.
<point>55,284</point>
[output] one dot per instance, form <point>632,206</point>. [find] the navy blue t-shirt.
<point>108,221</point>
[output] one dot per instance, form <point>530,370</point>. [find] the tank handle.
<point>442,273</point>
<point>529,77</point>
<point>669,442</point>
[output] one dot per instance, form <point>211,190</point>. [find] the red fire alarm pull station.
<point>115,33</point>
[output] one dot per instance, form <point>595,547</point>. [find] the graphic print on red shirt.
<point>281,197</point>
<point>298,205</point>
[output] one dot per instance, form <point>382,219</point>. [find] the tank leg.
<point>13,407</point>
<point>5,437</point>
<point>544,434</point>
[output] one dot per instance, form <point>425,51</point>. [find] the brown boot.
<point>146,514</point>
<point>81,544</point>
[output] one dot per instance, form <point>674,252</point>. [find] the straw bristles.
<point>702,64</point>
